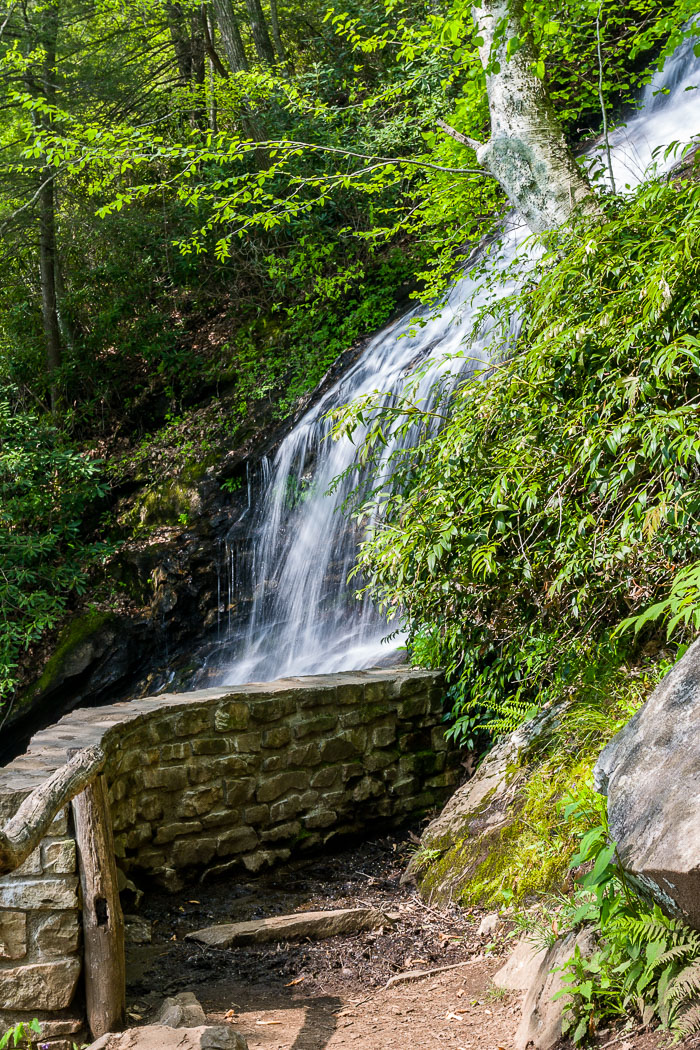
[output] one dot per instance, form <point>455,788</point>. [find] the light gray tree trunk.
<point>527,151</point>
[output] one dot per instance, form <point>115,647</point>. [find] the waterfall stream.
<point>304,617</point>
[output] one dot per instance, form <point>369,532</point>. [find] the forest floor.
<point>333,994</point>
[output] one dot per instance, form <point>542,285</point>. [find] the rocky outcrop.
<point>161,1037</point>
<point>472,829</point>
<point>650,773</point>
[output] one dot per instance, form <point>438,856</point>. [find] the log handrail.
<point>23,832</point>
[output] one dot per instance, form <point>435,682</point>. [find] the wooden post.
<point>103,922</point>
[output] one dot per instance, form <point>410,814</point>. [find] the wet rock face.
<point>650,773</point>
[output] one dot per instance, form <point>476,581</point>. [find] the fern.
<point>688,1023</point>
<point>686,983</point>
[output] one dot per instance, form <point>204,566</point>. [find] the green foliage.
<point>565,485</point>
<point>645,963</point>
<point>21,1034</point>
<point>45,488</point>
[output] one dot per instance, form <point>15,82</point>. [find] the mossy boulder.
<point>464,849</point>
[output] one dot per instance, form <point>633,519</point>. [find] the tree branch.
<point>457,135</point>
<point>23,832</point>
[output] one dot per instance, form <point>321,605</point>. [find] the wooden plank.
<point>103,922</point>
<point>315,924</point>
<point>26,829</point>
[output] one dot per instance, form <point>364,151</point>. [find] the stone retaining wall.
<point>218,780</point>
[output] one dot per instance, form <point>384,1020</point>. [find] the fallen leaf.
<point>268,1022</point>
<point>230,1015</point>
<point>297,980</point>
<point>453,1017</point>
<point>194,902</point>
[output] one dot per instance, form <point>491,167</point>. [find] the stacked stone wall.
<point>214,781</point>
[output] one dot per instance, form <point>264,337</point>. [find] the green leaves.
<point>45,487</point>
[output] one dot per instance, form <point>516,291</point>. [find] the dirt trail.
<point>332,994</point>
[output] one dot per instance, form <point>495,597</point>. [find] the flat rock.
<point>314,924</point>
<point>162,1037</point>
<point>650,772</point>
<point>540,1026</point>
<point>181,1011</point>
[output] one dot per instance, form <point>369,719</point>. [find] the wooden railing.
<point>81,782</point>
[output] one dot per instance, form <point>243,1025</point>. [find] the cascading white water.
<point>304,617</point>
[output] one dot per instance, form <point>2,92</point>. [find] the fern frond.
<point>686,983</point>
<point>688,1023</point>
<point>675,954</point>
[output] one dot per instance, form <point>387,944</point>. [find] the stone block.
<point>367,788</point>
<point>378,760</point>
<point>316,725</point>
<point>40,986</point>
<point>413,706</point>
<point>190,723</point>
<point>214,745</point>
<point>236,840</point>
<point>222,817</point>
<point>168,832</point>
<point>124,814</point>
<point>277,737</point>
<point>59,857</point>
<point>57,934</point>
<point>139,835</point>
<point>231,715</point>
<point>31,866</point>
<point>239,790</point>
<point>175,752</point>
<point>438,742</point>
<point>443,780</point>
<point>273,709</point>
<point>117,791</point>
<point>405,786</point>
<point>248,743</point>
<point>281,831</point>
<point>338,749</point>
<point>320,818</point>
<point>414,740</point>
<point>288,807</point>
<point>258,816</point>
<point>195,803</point>
<point>384,735</point>
<point>39,894</point>
<point>192,852</point>
<point>150,807</point>
<point>352,771</point>
<point>169,778</point>
<point>255,862</point>
<point>365,714</point>
<point>13,934</point>
<point>304,756</point>
<point>274,763</point>
<point>274,786</point>
<point>329,776</point>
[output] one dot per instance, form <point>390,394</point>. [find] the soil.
<point>333,994</point>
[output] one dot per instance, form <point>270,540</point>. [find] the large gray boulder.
<point>650,773</point>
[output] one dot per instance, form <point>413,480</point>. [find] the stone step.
<point>314,924</point>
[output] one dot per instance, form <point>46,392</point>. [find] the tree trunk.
<point>47,277</point>
<point>48,39</point>
<point>258,27</point>
<point>277,36</point>
<point>527,151</point>
<point>103,922</point>
<point>230,35</point>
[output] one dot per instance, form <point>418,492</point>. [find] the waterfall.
<point>304,617</point>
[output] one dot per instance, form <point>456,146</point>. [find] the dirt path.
<point>333,994</point>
